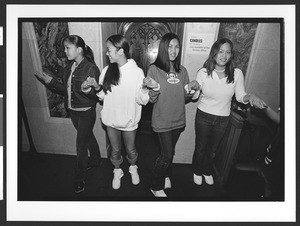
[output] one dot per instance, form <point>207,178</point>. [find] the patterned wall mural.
<point>242,35</point>
<point>49,37</point>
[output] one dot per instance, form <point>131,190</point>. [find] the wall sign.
<point>199,43</point>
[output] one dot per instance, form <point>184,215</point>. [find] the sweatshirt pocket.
<point>116,118</point>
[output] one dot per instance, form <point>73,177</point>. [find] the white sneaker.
<point>268,160</point>
<point>197,179</point>
<point>118,174</point>
<point>209,179</point>
<point>160,193</point>
<point>167,183</point>
<point>134,175</point>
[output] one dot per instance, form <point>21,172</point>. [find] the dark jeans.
<point>162,165</point>
<point>84,122</point>
<point>210,129</point>
<point>115,138</point>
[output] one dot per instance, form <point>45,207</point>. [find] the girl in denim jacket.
<point>81,105</point>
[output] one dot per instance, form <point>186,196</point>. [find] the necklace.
<point>219,71</point>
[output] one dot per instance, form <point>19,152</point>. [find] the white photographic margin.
<point>1,36</point>
<point>176,211</point>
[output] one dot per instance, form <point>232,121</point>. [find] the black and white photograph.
<point>150,111</point>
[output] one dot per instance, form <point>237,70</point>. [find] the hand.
<point>193,85</point>
<point>256,102</point>
<point>91,81</point>
<point>44,77</point>
<point>150,83</point>
<point>85,85</point>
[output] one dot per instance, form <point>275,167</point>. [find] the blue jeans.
<point>84,122</point>
<point>162,165</point>
<point>115,139</point>
<point>210,129</point>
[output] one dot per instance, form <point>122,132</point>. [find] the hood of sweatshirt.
<point>129,65</point>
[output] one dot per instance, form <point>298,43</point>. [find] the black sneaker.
<point>79,186</point>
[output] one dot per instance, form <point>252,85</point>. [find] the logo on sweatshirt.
<point>172,78</point>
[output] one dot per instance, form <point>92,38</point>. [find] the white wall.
<point>263,73</point>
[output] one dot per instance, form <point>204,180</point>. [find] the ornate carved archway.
<point>144,39</point>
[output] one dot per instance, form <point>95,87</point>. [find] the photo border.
<point>280,211</point>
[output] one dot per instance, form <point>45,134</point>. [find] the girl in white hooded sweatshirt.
<point>123,93</point>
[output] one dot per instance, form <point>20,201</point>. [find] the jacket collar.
<point>84,60</point>
<point>79,65</point>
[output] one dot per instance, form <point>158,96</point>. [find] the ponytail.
<point>88,54</point>
<point>112,77</point>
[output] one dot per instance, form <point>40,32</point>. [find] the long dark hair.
<point>112,75</point>
<point>76,40</point>
<point>210,63</point>
<point>163,61</point>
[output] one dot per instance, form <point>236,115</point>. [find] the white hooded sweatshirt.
<point>122,106</point>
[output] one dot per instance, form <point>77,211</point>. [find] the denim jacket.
<point>80,74</point>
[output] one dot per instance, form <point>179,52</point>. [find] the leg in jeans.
<point>84,122</point>
<point>129,141</point>
<point>175,136</point>
<point>217,133</point>
<point>93,147</point>
<point>209,132</point>
<point>167,142</point>
<point>202,129</point>
<point>115,140</point>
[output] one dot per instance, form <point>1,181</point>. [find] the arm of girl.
<point>142,93</point>
<point>153,92</point>
<point>273,115</point>
<point>255,101</point>
<point>51,83</point>
<point>242,96</point>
